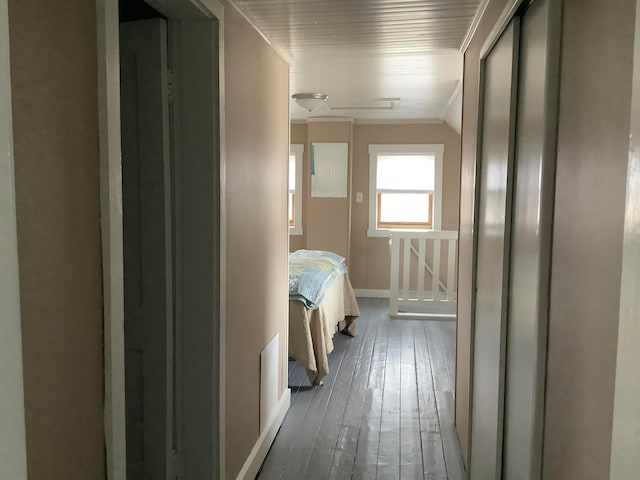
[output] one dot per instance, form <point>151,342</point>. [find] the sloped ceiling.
<point>361,53</point>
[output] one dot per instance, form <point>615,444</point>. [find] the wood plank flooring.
<point>385,410</point>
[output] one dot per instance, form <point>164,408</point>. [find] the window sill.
<point>295,231</point>
<point>377,232</point>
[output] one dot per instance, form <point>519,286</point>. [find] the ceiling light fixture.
<point>310,101</point>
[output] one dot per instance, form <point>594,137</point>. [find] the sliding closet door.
<point>531,240</point>
<point>494,198</point>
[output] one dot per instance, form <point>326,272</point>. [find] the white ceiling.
<point>360,52</point>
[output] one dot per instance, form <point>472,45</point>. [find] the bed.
<point>320,299</point>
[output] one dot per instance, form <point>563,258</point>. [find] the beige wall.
<point>328,219</point>
<point>53,67</point>
<point>369,257</point>
<point>257,146</point>
<point>593,141</point>
<point>369,265</point>
<point>586,264</point>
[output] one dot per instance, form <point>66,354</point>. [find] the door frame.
<point>13,455</point>
<point>111,218</point>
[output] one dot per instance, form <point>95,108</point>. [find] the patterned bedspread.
<point>311,273</point>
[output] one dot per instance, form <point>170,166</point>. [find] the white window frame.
<point>437,150</point>
<point>296,149</point>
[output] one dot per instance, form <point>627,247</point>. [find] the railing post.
<point>406,267</point>
<point>435,280</point>
<point>422,246</point>
<point>395,276</point>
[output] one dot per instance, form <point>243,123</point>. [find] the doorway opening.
<point>163,363</point>
<point>386,406</point>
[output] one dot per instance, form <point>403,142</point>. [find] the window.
<point>405,188</point>
<point>295,189</point>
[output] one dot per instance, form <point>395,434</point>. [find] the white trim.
<point>482,8</point>
<point>399,149</point>
<point>436,149</point>
<point>297,149</point>
<point>399,121</point>
<point>625,461</point>
<point>259,451</point>
<point>437,195</point>
<point>372,121</point>
<point>370,293</point>
<point>427,316</point>
<point>508,12</point>
<point>330,119</point>
<point>112,248</point>
<point>13,448</point>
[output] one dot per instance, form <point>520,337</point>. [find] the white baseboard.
<point>368,293</point>
<point>261,448</point>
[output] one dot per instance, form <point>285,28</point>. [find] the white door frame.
<point>111,215</point>
<point>13,448</point>
<point>625,462</point>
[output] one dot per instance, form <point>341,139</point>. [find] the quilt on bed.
<point>311,273</point>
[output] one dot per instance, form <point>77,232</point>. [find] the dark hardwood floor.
<point>385,410</point>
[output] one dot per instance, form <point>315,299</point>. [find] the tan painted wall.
<point>369,257</point>
<point>257,146</point>
<point>593,140</point>
<point>299,135</point>
<point>328,219</point>
<point>465,245</point>
<point>586,265</point>
<point>369,266</point>
<point>53,67</point>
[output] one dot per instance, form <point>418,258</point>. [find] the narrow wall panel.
<point>255,175</point>
<point>55,120</point>
<point>492,255</point>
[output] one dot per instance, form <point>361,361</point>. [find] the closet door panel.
<point>493,226</point>
<point>530,241</point>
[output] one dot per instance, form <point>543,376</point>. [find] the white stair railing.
<point>409,294</point>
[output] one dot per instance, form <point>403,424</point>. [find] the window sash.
<point>400,224</point>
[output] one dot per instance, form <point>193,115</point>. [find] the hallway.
<point>385,411</point>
